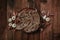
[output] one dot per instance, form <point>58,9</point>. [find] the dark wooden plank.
<point>31,36</point>
<point>20,4</point>
<point>24,36</point>
<point>37,35</point>
<point>58,17</point>
<point>54,7</point>
<point>10,35</point>
<point>3,21</point>
<point>18,35</point>
<point>41,35</point>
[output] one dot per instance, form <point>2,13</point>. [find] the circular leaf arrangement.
<point>28,20</point>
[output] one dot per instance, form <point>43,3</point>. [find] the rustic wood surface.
<point>51,32</point>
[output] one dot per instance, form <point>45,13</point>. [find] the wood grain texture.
<point>3,19</point>
<point>51,32</point>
